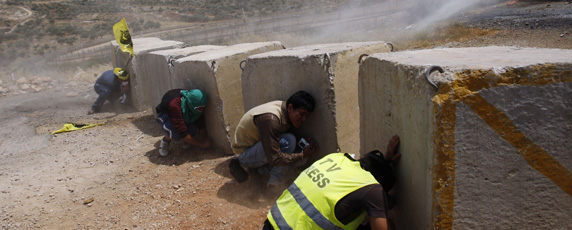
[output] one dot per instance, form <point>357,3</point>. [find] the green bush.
<point>151,25</point>
<point>194,18</point>
<point>68,40</point>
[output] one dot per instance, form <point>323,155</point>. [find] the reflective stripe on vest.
<point>307,206</point>
<point>310,201</point>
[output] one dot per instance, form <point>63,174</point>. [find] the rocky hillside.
<point>30,27</point>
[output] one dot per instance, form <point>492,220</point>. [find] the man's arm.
<point>378,223</point>
<point>268,126</point>
<point>176,116</point>
<point>124,87</point>
<point>201,139</point>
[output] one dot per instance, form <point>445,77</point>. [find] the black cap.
<point>379,168</point>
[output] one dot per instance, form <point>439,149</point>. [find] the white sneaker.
<point>164,148</point>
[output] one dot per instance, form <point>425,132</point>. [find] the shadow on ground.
<point>148,125</point>
<point>245,194</point>
<point>178,155</point>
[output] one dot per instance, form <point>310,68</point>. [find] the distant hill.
<point>30,27</point>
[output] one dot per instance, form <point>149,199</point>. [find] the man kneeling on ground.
<point>110,86</point>
<point>338,192</point>
<point>263,143</point>
<point>180,115</point>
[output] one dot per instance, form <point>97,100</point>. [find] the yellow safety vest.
<point>310,201</point>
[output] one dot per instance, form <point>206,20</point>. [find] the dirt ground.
<point>111,177</point>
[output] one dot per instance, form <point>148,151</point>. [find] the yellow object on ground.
<point>73,127</point>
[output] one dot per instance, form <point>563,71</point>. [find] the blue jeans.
<point>255,157</point>
<point>170,131</point>
<point>105,93</point>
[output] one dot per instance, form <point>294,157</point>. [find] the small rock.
<point>22,80</point>
<point>71,94</point>
<point>24,86</point>
<point>88,201</point>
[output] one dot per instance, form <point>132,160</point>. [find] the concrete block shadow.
<point>178,155</point>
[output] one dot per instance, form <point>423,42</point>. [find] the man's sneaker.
<point>164,148</point>
<point>239,174</point>
<point>90,112</point>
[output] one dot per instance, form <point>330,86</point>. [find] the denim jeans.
<point>105,93</point>
<point>255,157</point>
<point>167,125</point>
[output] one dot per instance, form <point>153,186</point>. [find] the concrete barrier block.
<point>327,71</point>
<point>138,66</point>
<point>491,146</point>
<point>162,70</point>
<point>218,73</point>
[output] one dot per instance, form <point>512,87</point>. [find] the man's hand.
<point>124,88</point>
<point>202,140</point>
<point>310,149</point>
<point>390,154</point>
<point>206,143</point>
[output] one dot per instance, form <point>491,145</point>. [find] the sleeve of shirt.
<point>375,202</point>
<point>268,125</point>
<point>176,116</point>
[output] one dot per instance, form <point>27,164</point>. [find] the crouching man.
<point>263,144</point>
<point>111,85</point>
<point>338,192</point>
<point>180,114</point>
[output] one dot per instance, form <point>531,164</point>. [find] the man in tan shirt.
<point>262,142</point>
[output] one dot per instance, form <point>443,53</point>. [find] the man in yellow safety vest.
<point>338,192</point>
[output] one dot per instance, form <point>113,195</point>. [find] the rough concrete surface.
<point>329,73</point>
<point>218,74</point>
<point>139,85</point>
<point>495,147</point>
<point>160,70</point>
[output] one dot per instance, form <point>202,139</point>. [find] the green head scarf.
<point>191,99</point>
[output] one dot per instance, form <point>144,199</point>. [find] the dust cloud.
<point>368,20</point>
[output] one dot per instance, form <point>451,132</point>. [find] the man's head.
<point>121,74</point>
<point>379,168</point>
<point>299,107</point>
<point>192,103</point>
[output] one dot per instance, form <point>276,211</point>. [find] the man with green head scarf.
<point>180,115</point>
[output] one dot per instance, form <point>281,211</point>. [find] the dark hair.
<point>379,168</point>
<point>301,99</point>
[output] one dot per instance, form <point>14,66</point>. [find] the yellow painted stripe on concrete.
<point>444,170</point>
<point>536,157</point>
<point>468,83</point>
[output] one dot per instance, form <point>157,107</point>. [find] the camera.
<point>303,143</point>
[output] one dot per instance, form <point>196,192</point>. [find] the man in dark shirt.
<point>180,114</point>
<point>263,143</point>
<point>338,192</point>
<point>109,86</point>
